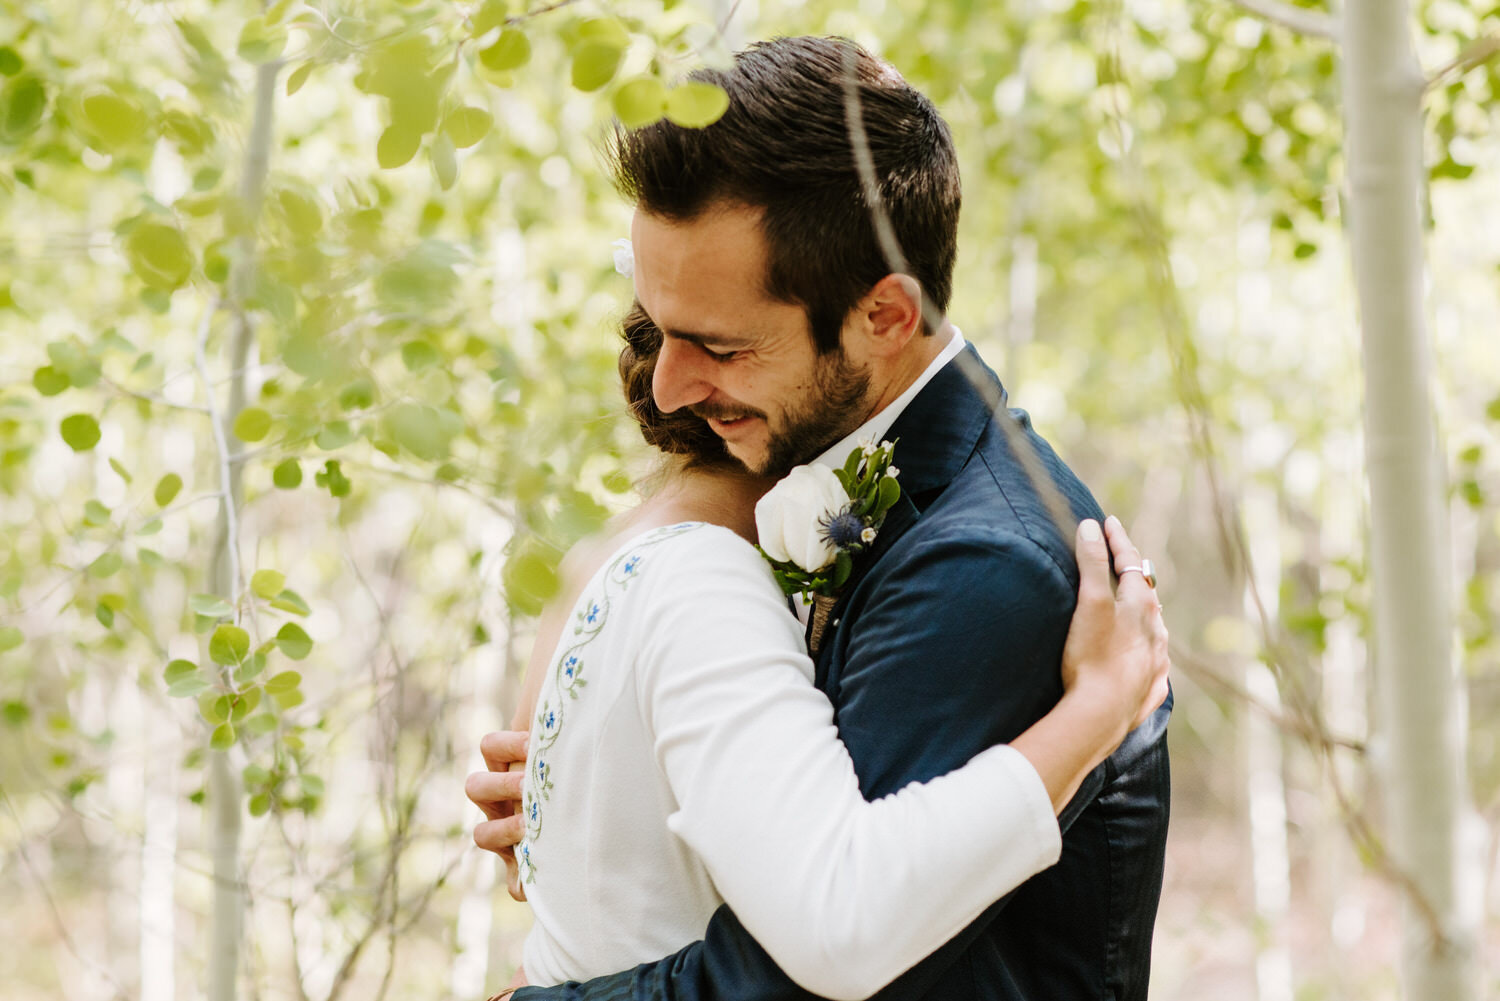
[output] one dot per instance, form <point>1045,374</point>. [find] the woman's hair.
<point>680,433</point>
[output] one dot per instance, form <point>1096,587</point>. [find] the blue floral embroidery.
<point>567,683</point>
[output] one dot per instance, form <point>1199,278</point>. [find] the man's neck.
<point>909,368</point>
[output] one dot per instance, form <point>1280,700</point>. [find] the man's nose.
<point>679,380</point>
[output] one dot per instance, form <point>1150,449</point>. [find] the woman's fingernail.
<point>1090,530</point>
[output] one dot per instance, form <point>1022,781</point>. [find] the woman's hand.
<point>1116,656</point>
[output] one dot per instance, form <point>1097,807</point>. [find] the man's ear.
<point>886,319</point>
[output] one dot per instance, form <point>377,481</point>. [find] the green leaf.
<point>890,492</point>
<point>49,381</point>
<point>105,615</point>
<point>95,514</point>
<point>418,429</point>
<point>491,15</point>
<point>283,682</point>
<point>397,146</point>
<point>260,42</point>
<point>608,30</point>
<point>11,62</point>
<point>252,424</point>
<point>261,724</point>
<point>334,435</point>
<point>298,77</point>
<point>843,566</point>
<point>595,63</point>
<point>288,700</point>
<point>267,583</point>
<point>333,479</point>
<point>213,707</point>
<point>640,102</point>
<point>22,105</point>
<point>159,255</point>
<point>294,641</point>
<point>511,51</point>
<point>444,161</point>
<point>696,104</point>
<point>178,670</point>
<point>10,638</point>
<point>467,125</point>
<point>291,601</point>
<point>167,489</point>
<point>244,704</point>
<point>223,737</point>
<point>287,475</point>
<point>106,565</point>
<point>188,687</point>
<point>260,804</point>
<point>15,713</point>
<point>419,355</point>
<point>120,470</point>
<point>210,605</point>
<point>228,645</point>
<point>112,119</point>
<point>80,431</point>
<point>253,665</point>
<point>530,579</point>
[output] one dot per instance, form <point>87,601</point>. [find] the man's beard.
<point>829,412</point>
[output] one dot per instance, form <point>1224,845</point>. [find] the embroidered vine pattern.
<point>568,682</point>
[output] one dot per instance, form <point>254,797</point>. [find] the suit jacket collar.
<point>937,432</point>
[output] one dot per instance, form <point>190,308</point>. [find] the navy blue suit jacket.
<point>947,640</point>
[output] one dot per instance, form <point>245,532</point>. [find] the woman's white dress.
<point>681,757</point>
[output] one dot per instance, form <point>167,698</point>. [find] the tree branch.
<point>1300,20</point>
<point>1476,53</point>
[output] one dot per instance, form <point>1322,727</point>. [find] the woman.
<point>681,758</point>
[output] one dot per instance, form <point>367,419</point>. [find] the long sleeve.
<point>843,893</point>
<point>941,668</point>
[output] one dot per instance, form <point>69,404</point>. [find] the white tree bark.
<point>1422,732</point>
<point>224,791</point>
<point>1265,786</point>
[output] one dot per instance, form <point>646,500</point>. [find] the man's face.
<point>730,353</point>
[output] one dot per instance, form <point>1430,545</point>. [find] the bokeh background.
<point>349,266</point>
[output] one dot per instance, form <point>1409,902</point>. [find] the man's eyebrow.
<point>715,341</point>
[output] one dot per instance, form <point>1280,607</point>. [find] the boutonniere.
<point>815,521</point>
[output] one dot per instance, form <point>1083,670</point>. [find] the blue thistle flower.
<point>843,529</point>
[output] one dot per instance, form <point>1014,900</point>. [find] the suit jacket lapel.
<point>934,435</point>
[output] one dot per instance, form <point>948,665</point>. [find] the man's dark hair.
<point>784,146</point>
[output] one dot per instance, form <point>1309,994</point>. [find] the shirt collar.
<point>874,429</point>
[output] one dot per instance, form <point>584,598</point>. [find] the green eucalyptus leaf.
<point>112,120</point>
<point>396,147</point>
<point>159,255</point>
<point>298,77</point>
<point>291,601</point>
<point>23,103</point>
<point>10,638</point>
<point>444,161</point>
<point>283,682</point>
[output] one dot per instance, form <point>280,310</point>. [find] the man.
<point>786,327</point>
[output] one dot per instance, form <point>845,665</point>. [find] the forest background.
<point>308,379</point>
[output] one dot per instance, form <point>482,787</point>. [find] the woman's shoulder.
<point>689,547</point>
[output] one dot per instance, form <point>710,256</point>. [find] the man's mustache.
<point>723,411</point>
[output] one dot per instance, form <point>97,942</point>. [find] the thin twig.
<point>153,398</point>
<point>1304,22</point>
<point>1473,55</point>
<point>885,232</point>
<point>221,444</point>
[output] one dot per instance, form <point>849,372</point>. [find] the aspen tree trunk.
<point>224,791</point>
<point>1422,715</point>
<point>1265,786</point>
